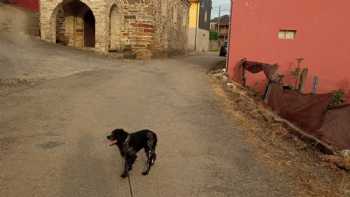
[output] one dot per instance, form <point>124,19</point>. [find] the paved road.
<point>53,143</point>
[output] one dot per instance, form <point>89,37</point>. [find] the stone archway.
<point>73,24</point>
<point>115,24</point>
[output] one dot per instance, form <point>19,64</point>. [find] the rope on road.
<point>130,187</point>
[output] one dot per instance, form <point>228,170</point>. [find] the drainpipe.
<point>229,38</point>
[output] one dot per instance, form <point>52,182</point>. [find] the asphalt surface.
<point>53,136</point>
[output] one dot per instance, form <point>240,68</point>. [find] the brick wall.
<point>156,26</point>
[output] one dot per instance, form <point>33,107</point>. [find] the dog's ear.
<point>120,135</point>
<point>118,130</point>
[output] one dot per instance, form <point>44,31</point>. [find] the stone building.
<point>142,27</point>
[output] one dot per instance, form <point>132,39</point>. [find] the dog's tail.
<point>155,140</point>
<point>153,149</point>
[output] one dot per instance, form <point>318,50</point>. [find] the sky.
<point>225,7</point>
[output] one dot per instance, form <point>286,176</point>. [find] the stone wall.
<point>199,40</point>
<point>136,26</point>
<point>202,40</point>
<point>171,26</point>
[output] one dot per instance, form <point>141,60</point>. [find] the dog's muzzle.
<point>112,142</point>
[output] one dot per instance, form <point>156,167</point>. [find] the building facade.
<point>221,25</point>
<point>199,25</point>
<point>142,27</point>
<point>313,32</point>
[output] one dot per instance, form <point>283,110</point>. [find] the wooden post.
<point>268,91</point>
<point>302,80</point>
<point>242,65</point>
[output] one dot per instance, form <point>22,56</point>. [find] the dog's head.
<point>117,136</point>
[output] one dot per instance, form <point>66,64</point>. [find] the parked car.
<point>223,49</point>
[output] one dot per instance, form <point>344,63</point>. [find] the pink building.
<point>275,31</point>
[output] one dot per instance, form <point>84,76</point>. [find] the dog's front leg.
<point>129,161</point>
<point>126,169</point>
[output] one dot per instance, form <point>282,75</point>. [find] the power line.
<point>219,10</point>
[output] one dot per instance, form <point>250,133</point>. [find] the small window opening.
<point>287,34</point>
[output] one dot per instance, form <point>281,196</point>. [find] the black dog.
<point>130,144</point>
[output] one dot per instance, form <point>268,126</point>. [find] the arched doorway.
<point>115,29</point>
<point>89,29</point>
<point>75,24</point>
<point>60,30</point>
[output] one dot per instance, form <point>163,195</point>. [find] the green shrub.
<point>338,98</point>
<point>214,35</point>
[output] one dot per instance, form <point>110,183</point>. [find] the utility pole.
<point>219,21</point>
<point>229,38</point>
<point>197,25</point>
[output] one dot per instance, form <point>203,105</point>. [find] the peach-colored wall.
<point>322,39</point>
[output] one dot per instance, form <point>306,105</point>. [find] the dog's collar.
<point>126,144</point>
<point>127,140</point>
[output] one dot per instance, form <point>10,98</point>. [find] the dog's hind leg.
<point>153,151</point>
<point>153,157</point>
<point>150,152</point>
<point>152,144</point>
<point>150,158</point>
<point>148,162</point>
